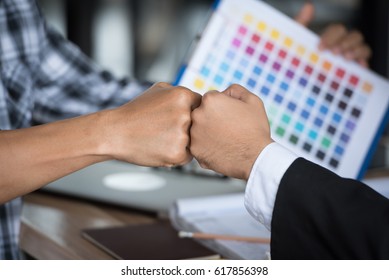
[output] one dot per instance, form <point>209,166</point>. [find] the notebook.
<point>157,241</point>
<point>322,107</point>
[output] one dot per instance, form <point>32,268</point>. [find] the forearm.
<point>33,157</point>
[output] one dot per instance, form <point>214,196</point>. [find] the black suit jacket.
<point>319,215</point>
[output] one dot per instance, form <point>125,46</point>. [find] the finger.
<point>191,98</point>
<point>239,92</point>
<point>332,36</point>
<point>362,55</point>
<point>363,63</point>
<point>187,158</point>
<point>162,85</point>
<point>306,14</point>
<point>351,41</point>
<point>196,100</point>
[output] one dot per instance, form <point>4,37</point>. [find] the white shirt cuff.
<point>265,177</point>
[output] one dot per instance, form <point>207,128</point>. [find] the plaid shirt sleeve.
<point>69,84</point>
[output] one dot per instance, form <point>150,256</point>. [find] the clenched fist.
<point>153,130</point>
<point>229,130</point>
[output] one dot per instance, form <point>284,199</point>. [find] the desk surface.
<point>51,226</point>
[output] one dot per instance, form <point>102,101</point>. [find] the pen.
<point>200,235</point>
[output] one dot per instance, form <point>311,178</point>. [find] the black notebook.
<point>157,241</point>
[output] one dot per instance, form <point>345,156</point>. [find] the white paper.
<point>226,215</point>
<point>380,185</point>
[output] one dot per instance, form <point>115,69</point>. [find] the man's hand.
<point>338,39</point>
<point>153,130</point>
<point>229,130</point>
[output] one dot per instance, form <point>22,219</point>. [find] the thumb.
<point>306,14</point>
<point>238,92</point>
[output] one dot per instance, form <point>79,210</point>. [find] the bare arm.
<point>151,130</point>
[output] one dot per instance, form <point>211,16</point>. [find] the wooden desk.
<point>51,226</point>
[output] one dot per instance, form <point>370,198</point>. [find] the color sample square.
<point>248,18</point>
<point>288,42</point>
<point>275,34</point>
<point>255,38</point>
<point>340,73</point>
<point>242,30</point>
<point>282,53</point>
<point>367,87</point>
<point>257,70</point>
<point>327,65</point>
<point>269,46</point>
<point>236,42</point>
<point>314,57</point>
<point>199,83</point>
<point>354,80</point>
<point>250,50</point>
<point>308,69</point>
<point>251,83</point>
<point>261,26</point>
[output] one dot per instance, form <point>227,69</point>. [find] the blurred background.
<point>148,39</point>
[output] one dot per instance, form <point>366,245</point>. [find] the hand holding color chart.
<point>322,107</point>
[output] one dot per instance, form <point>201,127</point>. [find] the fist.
<point>229,130</point>
<point>153,130</point>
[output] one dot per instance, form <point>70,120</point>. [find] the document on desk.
<point>380,184</point>
<point>222,214</point>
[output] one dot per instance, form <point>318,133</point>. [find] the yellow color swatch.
<point>261,26</point>
<point>301,50</point>
<point>275,34</point>
<point>314,57</point>
<point>199,83</point>
<point>248,18</point>
<point>288,42</point>
<point>367,87</point>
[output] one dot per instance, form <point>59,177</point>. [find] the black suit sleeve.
<point>319,215</point>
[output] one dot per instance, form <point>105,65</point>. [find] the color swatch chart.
<point>319,105</point>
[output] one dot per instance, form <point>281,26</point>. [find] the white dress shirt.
<point>265,177</point>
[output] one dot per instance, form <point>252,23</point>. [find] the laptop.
<point>143,188</point>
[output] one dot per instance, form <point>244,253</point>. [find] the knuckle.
<point>183,91</point>
<point>358,35</point>
<point>179,156</point>
<point>236,87</point>
<point>368,51</point>
<point>209,97</point>
<point>174,155</point>
<point>195,115</point>
<point>183,95</point>
<point>184,119</point>
<point>340,28</point>
<point>161,85</point>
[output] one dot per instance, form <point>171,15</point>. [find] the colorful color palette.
<point>321,106</point>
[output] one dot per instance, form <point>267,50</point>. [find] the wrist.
<point>256,153</point>
<point>103,137</point>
